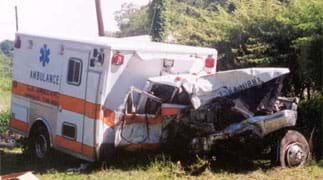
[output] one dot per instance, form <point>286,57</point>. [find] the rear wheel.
<point>294,150</point>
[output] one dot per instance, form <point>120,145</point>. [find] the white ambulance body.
<point>70,92</point>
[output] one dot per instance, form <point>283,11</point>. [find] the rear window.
<point>74,73</point>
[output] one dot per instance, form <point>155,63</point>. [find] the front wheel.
<point>38,143</point>
<point>294,150</point>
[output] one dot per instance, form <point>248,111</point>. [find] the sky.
<point>60,17</point>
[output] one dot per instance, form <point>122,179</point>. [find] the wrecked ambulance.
<point>91,97</point>
<point>236,110</point>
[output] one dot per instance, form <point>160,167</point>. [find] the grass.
<point>145,166</point>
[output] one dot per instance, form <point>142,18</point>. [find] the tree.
<point>160,19</point>
<point>133,20</point>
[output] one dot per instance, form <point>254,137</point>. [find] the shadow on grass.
<point>15,161</point>
<point>239,165</point>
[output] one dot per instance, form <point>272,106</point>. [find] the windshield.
<point>164,92</point>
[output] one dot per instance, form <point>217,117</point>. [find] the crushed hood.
<point>202,89</point>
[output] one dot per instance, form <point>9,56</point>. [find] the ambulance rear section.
<point>70,94</point>
<point>55,99</point>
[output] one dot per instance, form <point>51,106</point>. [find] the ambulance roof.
<point>175,80</point>
<point>132,44</point>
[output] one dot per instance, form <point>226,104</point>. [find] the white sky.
<point>68,17</point>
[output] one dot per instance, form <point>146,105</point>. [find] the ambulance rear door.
<point>72,102</point>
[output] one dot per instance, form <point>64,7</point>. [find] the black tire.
<point>39,142</point>
<point>294,150</point>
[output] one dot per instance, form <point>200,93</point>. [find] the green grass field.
<point>143,166</point>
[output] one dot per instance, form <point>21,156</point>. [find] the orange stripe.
<point>68,144</point>
<point>19,125</point>
<point>170,111</point>
<point>75,146</point>
<point>80,106</point>
<point>92,110</point>
<point>130,119</point>
<point>69,103</point>
<point>108,118</point>
<point>88,151</point>
<point>35,93</point>
<point>72,104</point>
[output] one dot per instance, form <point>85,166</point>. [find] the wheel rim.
<point>295,155</point>
<point>41,146</point>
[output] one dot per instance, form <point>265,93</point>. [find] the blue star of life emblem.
<point>44,55</point>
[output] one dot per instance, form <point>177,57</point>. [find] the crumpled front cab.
<point>171,97</point>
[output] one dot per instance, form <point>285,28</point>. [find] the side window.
<point>74,72</point>
<point>69,131</point>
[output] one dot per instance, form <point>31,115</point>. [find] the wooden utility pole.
<point>99,17</point>
<point>16,14</point>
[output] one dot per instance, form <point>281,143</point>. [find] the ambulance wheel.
<point>294,151</point>
<point>40,143</point>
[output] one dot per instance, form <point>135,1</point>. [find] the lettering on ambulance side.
<point>44,59</point>
<point>226,91</point>
<point>45,77</point>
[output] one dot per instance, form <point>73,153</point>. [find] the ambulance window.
<point>74,71</point>
<point>69,130</point>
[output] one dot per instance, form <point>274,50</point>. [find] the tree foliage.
<point>133,20</point>
<point>248,33</point>
<point>160,19</point>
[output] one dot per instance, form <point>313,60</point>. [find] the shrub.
<point>4,121</point>
<point>310,117</point>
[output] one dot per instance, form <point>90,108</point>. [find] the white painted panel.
<point>27,60</point>
<point>20,112</point>
<point>69,89</point>
<point>20,100</point>
<point>88,131</point>
<point>92,87</point>
<point>135,74</point>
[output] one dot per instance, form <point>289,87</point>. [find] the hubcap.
<point>41,146</point>
<point>295,155</point>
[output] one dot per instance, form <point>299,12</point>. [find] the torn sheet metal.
<point>203,88</point>
<point>258,125</point>
<point>219,106</point>
<point>229,82</point>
